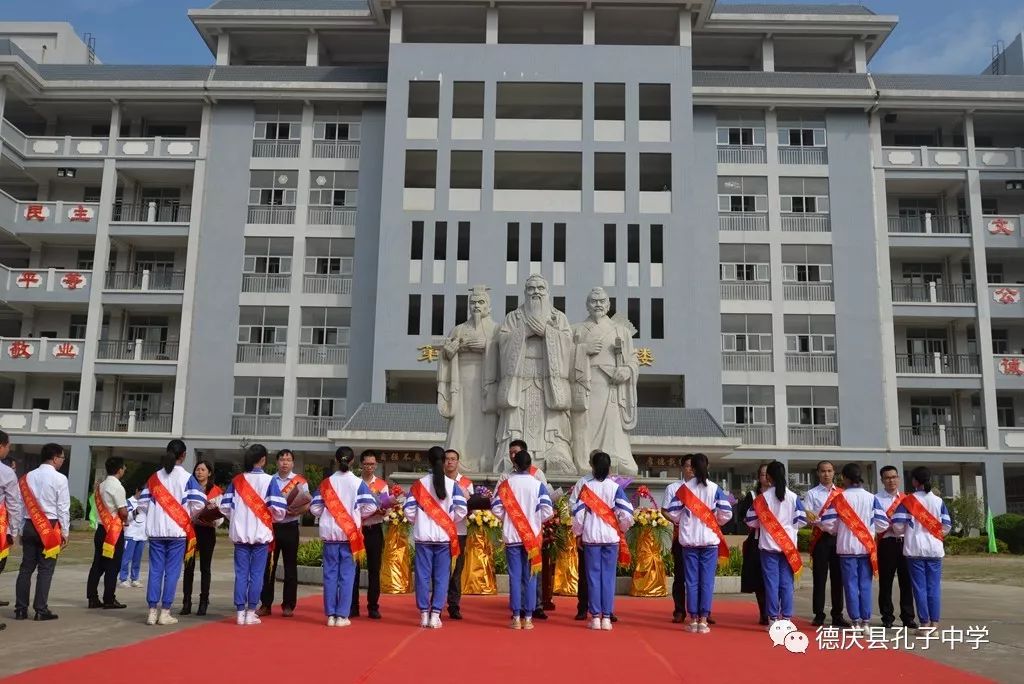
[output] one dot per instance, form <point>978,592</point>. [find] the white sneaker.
<point>342,622</point>
<point>331,622</point>
<point>136,584</point>
<point>251,619</point>
<point>240,617</point>
<point>692,627</point>
<point>703,628</point>
<point>528,623</point>
<point>606,624</point>
<point>166,618</point>
<point>123,584</point>
<point>152,617</point>
<point>516,622</point>
<point>424,619</point>
<point>435,621</point>
<point>595,623</point>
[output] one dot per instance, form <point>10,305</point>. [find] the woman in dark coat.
<point>751,579</point>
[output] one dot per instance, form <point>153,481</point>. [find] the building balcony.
<point>745,291</point>
<point>146,281</point>
<point>335,149</point>
<point>318,426</point>
<point>324,354</point>
<point>36,421</point>
<point>332,216</point>
<point>930,224</point>
<point>752,434</point>
<point>747,362</point>
<point>256,426</point>
<point>932,293</point>
<point>803,155</point>
<point>808,292</point>
<point>942,436</point>
<point>47,219</point>
<point>74,147</point>
<point>48,285</point>
<point>742,154</point>
<point>924,157</point>
<point>938,364</point>
<point>136,350</point>
<point>1003,231</point>
<point>163,211</point>
<point>810,362</point>
<point>137,421</point>
<point>742,221</point>
<point>41,355</point>
<point>1009,437</point>
<point>316,283</point>
<point>1000,157</point>
<point>806,223</point>
<point>272,283</point>
<point>814,435</point>
<point>263,214</point>
<point>248,352</point>
<point>275,149</point>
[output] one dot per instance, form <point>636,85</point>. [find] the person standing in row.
<point>751,575</point>
<point>112,508</point>
<point>451,470</point>
<point>522,503</point>
<point>700,508</point>
<point>678,562</point>
<point>891,561</point>
<point>855,516</point>
<point>923,520</point>
<point>825,565</point>
<point>47,522</point>
<point>340,503</point>
<point>205,525</point>
<point>10,506</point>
<point>514,447</point>
<point>434,505</point>
<point>134,544</point>
<point>776,514</point>
<point>286,539</point>
<point>600,517</point>
<point>582,593</point>
<point>373,535</point>
<point>171,499</point>
<point>252,504</point>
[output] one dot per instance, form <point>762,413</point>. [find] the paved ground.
<point>994,600</point>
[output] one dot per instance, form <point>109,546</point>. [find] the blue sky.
<point>934,36</point>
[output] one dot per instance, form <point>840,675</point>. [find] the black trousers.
<point>206,539</point>
<point>455,583</point>
<point>827,568</point>
<point>582,590</point>
<point>107,568</point>
<point>678,579</point>
<point>286,543</point>
<point>32,560</point>
<point>373,535</point>
<point>892,564</point>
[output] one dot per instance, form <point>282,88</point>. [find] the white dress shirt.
<point>51,490</point>
<point>282,482</point>
<point>10,495</point>
<point>887,499</point>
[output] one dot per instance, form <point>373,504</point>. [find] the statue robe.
<point>466,394</point>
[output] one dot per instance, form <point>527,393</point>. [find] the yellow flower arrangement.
<point>483,518</point>
<point>396,516</point>
<point>650,517</point>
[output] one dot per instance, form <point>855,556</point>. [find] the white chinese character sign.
<point>1006,295</point>
<point>1000,225</point>
<point>27,279</point>
<point>20,349</point>
<point>73,280</point>
<point>65,350</point>
<point>1011,366</point>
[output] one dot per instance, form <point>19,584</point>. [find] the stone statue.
<point>467,382</point>
<point>535,347</point>
<point>604,378</point>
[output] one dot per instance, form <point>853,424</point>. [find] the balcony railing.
<point>814,435</point>
<point>941,436</point>
<point>808,292</point>
<point>806,223</point>
<point>332,216</point>
<point>752,434</point>
<point>37,420</point>
<point>335,149</point>
<point>926,157</point>
<point>326,284</point>
<point>938,364</point>
<point>747,362</point>
<point>249,352</point>
<point>145,280</point>
<point>164,211</point>
<point>803,155</point>
<point>742,221</point>
<point>810,362</point>
<point>930,224</point>
<point>266,282</point>
<point>137,350</point>
<point>245,424</point>
<point>131,421</point>
<point>750,291</point>
<point>271,214</point>
<point>263,149</point>
<point>27,353</point>
<point>1000,157</point>
<point>333,354</point>
<point>742,154</point>
<point>317,426</point>
<point>934,293</point>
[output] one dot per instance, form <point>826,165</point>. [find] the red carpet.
<point>643,647</point>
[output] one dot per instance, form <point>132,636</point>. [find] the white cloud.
<point>960,43</point>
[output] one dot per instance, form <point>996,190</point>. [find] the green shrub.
<point>967,514</point>
<point>311,553</point>
<point>964,546</point>
<point>803,540</point>
<point>1009,527</point>
<point>77,509</point>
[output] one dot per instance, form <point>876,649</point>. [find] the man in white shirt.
<point>373,536</point>
<point>891,562</point>
<point>10,500</point>
<point>111,496</point>
<point>49,489</point>
<point>286,539</point>
<point>451,469</point>
<point>824,558</point>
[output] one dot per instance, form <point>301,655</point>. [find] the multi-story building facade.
<point>268,248</point>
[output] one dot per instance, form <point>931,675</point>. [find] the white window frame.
<point>760,203</point>
<point>791,273</point>
<point>818,136</point>
<point>815,343</point>
<point>757,136</point>
<point>746,342</point>
<point>829,415</point>
<point>730,272</point>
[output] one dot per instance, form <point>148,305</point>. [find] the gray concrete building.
<point>268,248</point>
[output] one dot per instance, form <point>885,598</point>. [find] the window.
<point>462,248</point>
<point>421,169</point>
<point>559,256</point>
<point>609,101</point>
<point>1000,341</point>
<point>1004,412</point>
<point>461,308</point>
<point>657,253</point>
<point>813,406</point>
<point>262,325</point>
<point>810,334</point>
<point>804,195</point>
<point>440,240</point>
<point>267,255</point>
<point>467,100</point>
<point>609,243</point>
<point>277,130</point>
<point>77,326</point>
<point>741,135</point>
<point>85,260</point>
<point>320,397</point>
<point>742,194</point>
<point>272,188</point>
<point>335,131</point>
<point>633,313</point>
<point>744,263</point>
<point>259,396</point>
<point>536,243</point>
<point>802,136</point>
<point>423,99</point>
<point>558,303</point>
<point>437,315</point>
<point>413,320</point>
<point>325,326</point>
<point>995,273</point>
<point>748,405</point>
<point>512,242</point>
<point>416,241</point>
<point>655,101</point>
<point>329,256</point>
<point>806,264</point>
<point>746,333</point>
<point>69,394</point>
<point>333,188</point>
<point>657,319</point>
<point>511,303</point>
<point>633,243</point>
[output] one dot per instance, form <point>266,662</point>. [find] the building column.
<point>492,26</point>
<point>995,486</point>
<point>313,49</point>
<point>79,458</point>
<point>223,49</point>
<point>588,27</point>
<point>768,53</point>
<point>860,57</point>
<point>685,29</point>
<point>395,35</point>
<point>3,103</point>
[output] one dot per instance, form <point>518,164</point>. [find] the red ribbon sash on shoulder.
<point>466,484</point>
<point>531,541</point>
<point>4,547</point>
<point>378,485</point>
<point>850,518</point>
<point>292,484</point>
<point>923,516</point>
<point>892,509</point>
<point>701,511</point>
<point>816,531</point>
<point>175,511</point>
<point>254,502</point>
<point>434,511</point>
<point>597,506</point>
<point>343,519</point>
<point>48,533</point>
<point>770,524</point>
<point>112,525</point>
<point>214,492</point>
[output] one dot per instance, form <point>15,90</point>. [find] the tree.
<point>967,514</point>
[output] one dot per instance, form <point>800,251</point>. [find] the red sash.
<point>533,470</point>
<point>343,519</point>
<point>597,506</point>
<point>892,509</point>
<point>850,518</point>
<point>923,516</point>
<point>4,548</point>
<point>466,484</point>
<point>816,531</point>
<point>771,525</point>
<point>292,484</point>
<point>531,541</point>
<point>175,511</point>
<point>49,534</point>
<point>214,492</point>
<point>255,503</point>
<point>701,511</point>
<point>378,485</point>
<point>112,525</point>
<point>433,509</point>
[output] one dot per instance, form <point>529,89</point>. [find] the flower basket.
<point>483,534</point>
<point>396,561</point>
<point>649,539</point>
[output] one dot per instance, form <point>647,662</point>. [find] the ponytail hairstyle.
<point>522,461</point>
<point>922,478</point>
<point>777,474</point>
<point>601,464</point>
<point>435,455</point>
<point>344,457</point>
<point>253,455</point>
<point>700,468</point>
<point>851,472</point>
<point>175,452</point>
